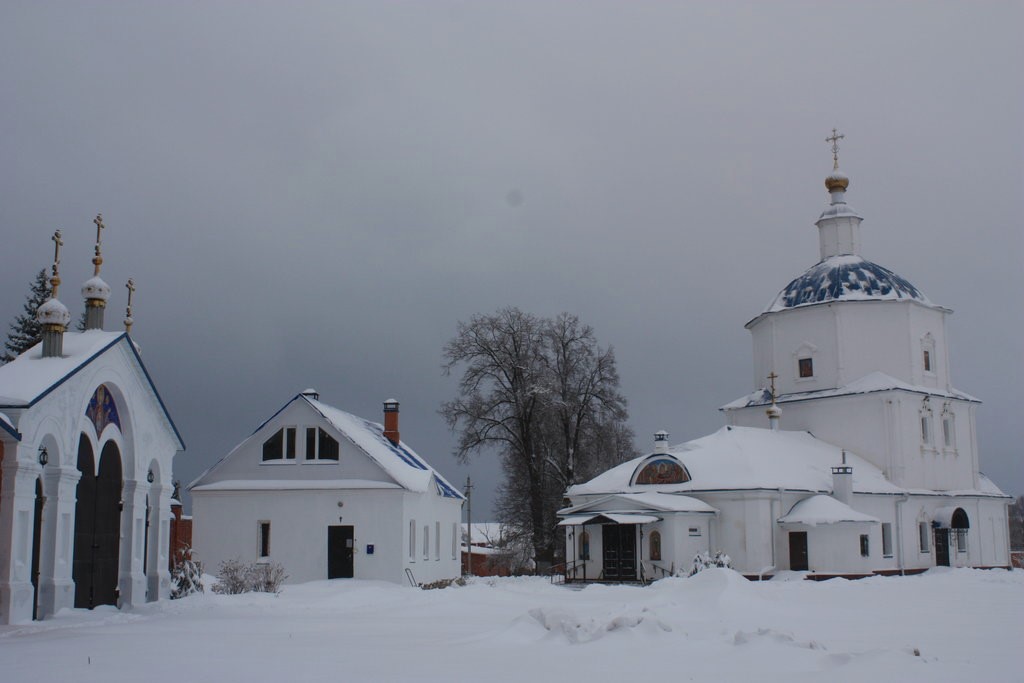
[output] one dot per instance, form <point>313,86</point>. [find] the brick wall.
<point>181,533</point>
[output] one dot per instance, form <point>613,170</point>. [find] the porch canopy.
<point>609,518</point>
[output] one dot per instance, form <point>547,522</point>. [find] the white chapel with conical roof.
<point>855,455</point>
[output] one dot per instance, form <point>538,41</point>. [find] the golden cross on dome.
<point>55,279</point>
<point>772,377</point>
<point>834,139</point>
<point>97,260</point>
<point>130,286</point>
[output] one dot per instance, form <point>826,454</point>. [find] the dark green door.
<point>618,550</point>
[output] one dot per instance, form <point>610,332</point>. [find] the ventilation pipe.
<point>842,482</point>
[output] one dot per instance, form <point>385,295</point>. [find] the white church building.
<point>868,464</point>
<point>328,495</point>
<point>86,445</point>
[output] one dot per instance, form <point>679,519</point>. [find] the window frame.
<point>412,540</point>
<point>865,545</point>
<point>924,533</point>
<point>886,539</point>
<point>263,539</point>
<point>654,546</point>
<point>805,367</point>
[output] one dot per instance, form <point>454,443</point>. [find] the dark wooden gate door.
<point>798,551</point>
<point>340,552</point>
<point>97,527</point>
<point>85,522</point>
<point>618,548</point>
<point>37,537</point>
<point>942,547</point>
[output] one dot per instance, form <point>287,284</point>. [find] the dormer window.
<point>806,367</point>
<point>281,445</point>
<point>320,445</point>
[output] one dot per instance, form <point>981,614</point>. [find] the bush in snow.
<point>267,578</point>
<point>704,560</point>
<point>443,583</point>
<point>237,577</point>
<point>233,577</point>
<point>187,574</point>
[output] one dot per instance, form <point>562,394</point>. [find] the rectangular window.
<point>264,540</point>
<point>927,361</point>
<point>455,540</point>
<point>426,541</point>
<point>695,531</point>
<point>806,366</point>
<point>310,443</point>
<point>865,548</point>
<point>412,540</point>
<point>437,540</point>
<point>886,539</point>
<point>947,431</point>
<point>961,540</point>
<point>926,430</point>
<point>289,438</point>
<point>923,534</point>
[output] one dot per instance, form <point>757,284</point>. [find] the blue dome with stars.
<point>845,278</point>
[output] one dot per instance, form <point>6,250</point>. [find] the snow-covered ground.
<point>946,625</point>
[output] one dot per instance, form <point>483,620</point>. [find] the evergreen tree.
<point>25,330</point>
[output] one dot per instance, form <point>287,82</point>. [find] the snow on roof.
<point>29,377</point>
<point>294,485</point>
<point>400,462</point>
<point>616,517</point>
<point>821,509</point>
<point>748,458</point>
<point>648,500</point>
<point>875,381</point>
<point>847,277</point>
<point>8,426</point>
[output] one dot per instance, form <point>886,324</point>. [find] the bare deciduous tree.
<point>543,395</point>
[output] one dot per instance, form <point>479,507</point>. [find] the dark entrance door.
<point>37,537</point>
<point>340,552</point>
<point>942,547</point>
<point>798,551</point>
<point>97,527</point>
<point>618,543</point>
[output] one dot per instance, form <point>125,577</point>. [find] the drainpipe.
<point>899,532</point>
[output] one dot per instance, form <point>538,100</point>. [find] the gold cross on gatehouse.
<point>834,139</point>
<point>130,286</point>
<point>97,260</point>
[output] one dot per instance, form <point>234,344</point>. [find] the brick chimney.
<point>842,482</point>
<point>391,420</point>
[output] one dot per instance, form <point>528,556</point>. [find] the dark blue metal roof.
<point>846,278</point>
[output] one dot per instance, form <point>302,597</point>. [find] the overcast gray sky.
<point>313,194</point>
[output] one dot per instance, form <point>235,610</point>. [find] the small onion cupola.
<point>53,316</point>
<point>95,291</point>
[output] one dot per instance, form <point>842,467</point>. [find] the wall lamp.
<point>149,476</point>
<point>44,456</point>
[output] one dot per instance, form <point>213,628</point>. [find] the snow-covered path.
<point>714,627</point>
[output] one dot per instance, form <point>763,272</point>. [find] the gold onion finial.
<point>836,181</point>
<point>97,260</point>
<point>55,278</point>
<point>128,312</point>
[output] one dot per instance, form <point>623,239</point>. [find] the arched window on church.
<point>584,549</point>
<point>654,542</point>
<point>662,470</point>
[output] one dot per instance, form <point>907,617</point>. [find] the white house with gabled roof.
<point>328,495</point>
<point>869,463</point>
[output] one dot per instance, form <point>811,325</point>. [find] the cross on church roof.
<point>834,139</point>
<point>772,377</point>
<point>130,286</point>
<point>97,260</point>
<point>55,280</point>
